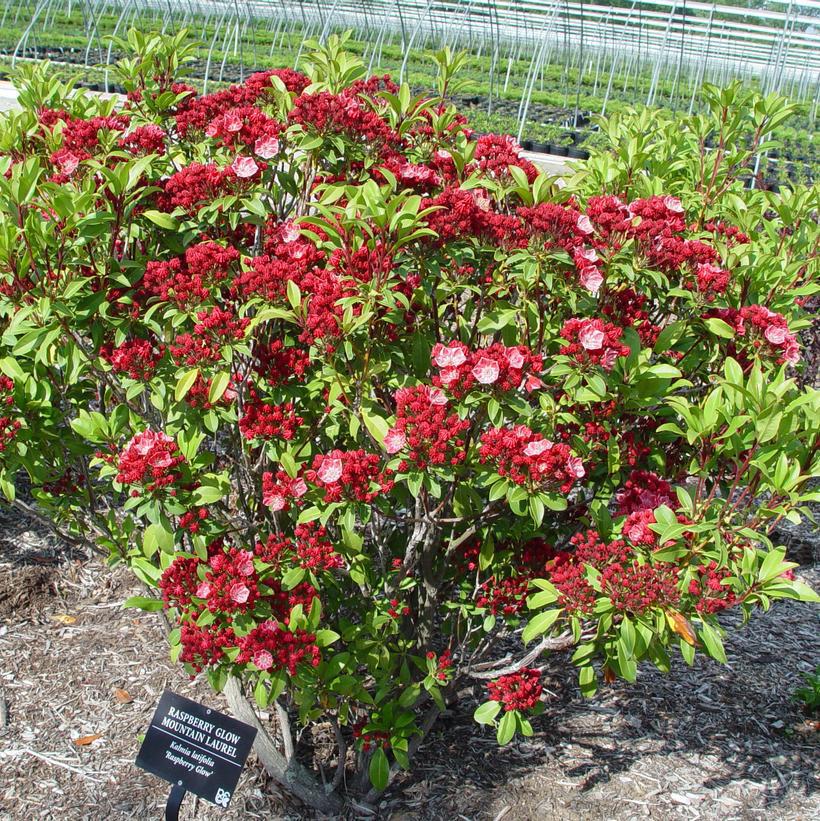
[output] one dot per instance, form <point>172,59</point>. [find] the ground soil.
<point>80,677</point>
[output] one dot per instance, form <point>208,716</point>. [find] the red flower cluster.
<point>277,364</point>
<point>636,587</point>
<point>527,458</point>
<point>423,427</point>
<point>8,426</point>
<point>195,185</point>
<point>214,329</point>
<point>246,126</point>
<point>711,280</point>
<point>270,647</point>
<point>279,490</point>
<point>150,459</point>
<point>505,369</point>
<point>628,309</point>
<point>136,358</point>
<point>147,139</point>
<point>494,154</point>
<point>713,596</point>
<point>192,520</point>
<point>197,112</point>
<point>288,258</point>
<point>461,214</point>
<point>314,550</point>
<point>370,740</point>
<point>557,226</point>
<point>763,330</point>
<point>348,475</point>
<point>230,584</point>
<point>506,597</point>
<point>204,646</point>
<point>179,582</point>
<point>192,279</point>
<point>644,490</point>
<point>517,691</point>
<point>443,665</point>
<point>593,342</point>
<point>344,113</point>
<point>775,331</point>
<point>265,420</point>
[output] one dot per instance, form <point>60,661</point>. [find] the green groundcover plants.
<point>363,400</point>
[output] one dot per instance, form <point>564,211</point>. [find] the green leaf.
<point>324,638</point>
<point>539,624</point>
<point>375,424</point>
<point>218,386</point>
<point>144,603</point>
<point>663,371</point>
<point>185,383</point>
<point>207,494</point>
<point>587,680</point>
<point>162,219</point>
<point>12,369</point>
<point>713,642</point>
<point>294,294</point>
<point>506,728</point>
<point>485,713</point>
<point>720,328</point>
<point>293,577</point>
<point>379,770</point>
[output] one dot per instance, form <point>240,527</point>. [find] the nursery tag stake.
<point>196,749</point>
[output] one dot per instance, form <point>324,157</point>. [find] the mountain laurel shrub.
<point>377,410</point>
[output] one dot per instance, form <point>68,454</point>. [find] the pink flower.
<point>263,659</point>
<point>330,470</point>
<point>776,335</point>
<point>537,447</point>
<point>608,359</point>
<point>244,563</point>
<point>394,441</point>
<point>515,358</point>
<point>589,255</point>
<point>298,488</point>
<point>274,500</point>
<point>591,279</point>
<point>673,204</point>
<point>532,383</point>
<point>69,163</point>
<point>244,167</point>
<point>486,371</point>
<point>161,459</point>
<point>239,592</point>
<point>576,467</point>
<point>437,397</point>
<point>591,339</point>
<point>232,122</point>
<point>290,232</point>
<point>449,375</point>
<point>266,147</point>
<point>450,357</point>
<point>584,224</point>
<point>204,590</point>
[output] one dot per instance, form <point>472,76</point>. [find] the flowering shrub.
<point>360,397</point>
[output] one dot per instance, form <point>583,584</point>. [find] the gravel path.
<point>80,677</point>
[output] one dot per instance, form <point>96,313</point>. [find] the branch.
<point>290,774</point>
<point>561,642</point>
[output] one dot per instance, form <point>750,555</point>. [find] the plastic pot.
<point>577,153</point>
<point>541,148</point>
<point>558,150</point>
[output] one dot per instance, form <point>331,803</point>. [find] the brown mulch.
<point>80,677</point>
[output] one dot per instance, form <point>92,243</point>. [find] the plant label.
<point>196,748</point>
